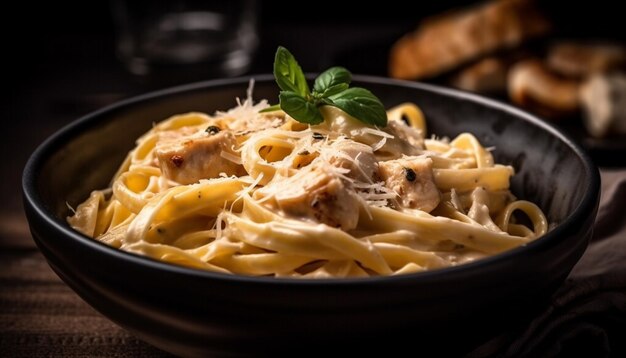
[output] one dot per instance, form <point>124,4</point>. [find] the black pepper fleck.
<point>212,130</point>
<point>318,136</point>
<point>405,119</point>
<point>177,160</point>
<point>304,152</point>
<point>410,174</point>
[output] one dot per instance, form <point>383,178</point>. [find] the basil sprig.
<point>331,88</point>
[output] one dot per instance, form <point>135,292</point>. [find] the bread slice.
<point>443,43</point>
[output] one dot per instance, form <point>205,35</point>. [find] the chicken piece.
<point>357,157</point>
<point>188,159</point>
<point>315,192</point>
<point>409,138</point>
<point>412,179</point>
<point>534,86</point>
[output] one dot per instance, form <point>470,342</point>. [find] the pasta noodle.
<point>253,193</point>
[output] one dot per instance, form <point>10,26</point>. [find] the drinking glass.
<point>220,36</point>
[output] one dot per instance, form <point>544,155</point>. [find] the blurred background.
<point>63,59</point>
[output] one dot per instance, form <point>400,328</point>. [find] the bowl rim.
<point>73,129</point>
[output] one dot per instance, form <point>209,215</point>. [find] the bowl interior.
<point>550,170</point>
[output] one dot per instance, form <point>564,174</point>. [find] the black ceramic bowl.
<point>193,312</point>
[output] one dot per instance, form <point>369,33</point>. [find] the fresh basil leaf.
<point>362,105</point>
<point>299,108</point>
<point>332,77</point>
<point>288,73</point>
<point>333,90</point>
<point>273,108</point>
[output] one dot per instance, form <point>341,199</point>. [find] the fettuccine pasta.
<point>261,194</point>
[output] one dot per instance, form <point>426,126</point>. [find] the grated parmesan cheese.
<point>231,157</point>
